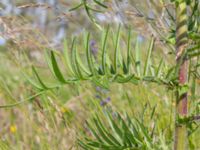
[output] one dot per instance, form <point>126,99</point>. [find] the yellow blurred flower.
<point>13,128</point>
<point>64,110</point>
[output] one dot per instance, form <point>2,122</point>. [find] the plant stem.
<point>180,142</point>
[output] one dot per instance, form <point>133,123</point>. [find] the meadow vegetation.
<point>99,74</point>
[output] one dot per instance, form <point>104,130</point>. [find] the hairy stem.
<point>180,142</point>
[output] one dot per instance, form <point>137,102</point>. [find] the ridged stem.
<point>181,135</point>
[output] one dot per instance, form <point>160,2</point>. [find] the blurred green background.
<point>56,119</point>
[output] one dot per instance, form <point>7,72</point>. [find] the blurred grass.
<point>40,124</point>
<point>54,120</point>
